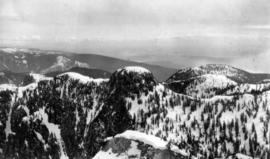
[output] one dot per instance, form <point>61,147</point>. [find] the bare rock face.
<point>121,148</point>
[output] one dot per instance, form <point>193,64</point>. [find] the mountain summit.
<point>132,79</point>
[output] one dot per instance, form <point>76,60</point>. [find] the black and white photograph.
<point>134,79</point>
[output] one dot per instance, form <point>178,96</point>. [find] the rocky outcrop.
<point>136,147</point>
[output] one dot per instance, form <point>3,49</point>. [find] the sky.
<point>172,33</point>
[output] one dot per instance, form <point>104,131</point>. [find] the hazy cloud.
<point>208,31</point>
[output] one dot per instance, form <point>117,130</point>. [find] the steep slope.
<point>72,116</point>
<point>46,61</point>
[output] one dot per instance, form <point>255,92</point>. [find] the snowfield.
<point>82,78</point>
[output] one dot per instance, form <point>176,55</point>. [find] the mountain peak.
<point>236,74</point>
<point>135,69</point>
<point>132,79</point>
<point>134,72</point>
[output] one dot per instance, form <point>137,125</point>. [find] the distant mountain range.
<point>46,61</point>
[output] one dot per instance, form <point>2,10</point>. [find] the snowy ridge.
<point>206,83</point>
<point>211,80</point>
<point>220,69</point>
<point>82,78</point>
<point>217,69</point>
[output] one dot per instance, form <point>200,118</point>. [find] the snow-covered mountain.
<point>46,61</point>
<point>131,115</point>
<point>238,75</point>
<point>212,79</point>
